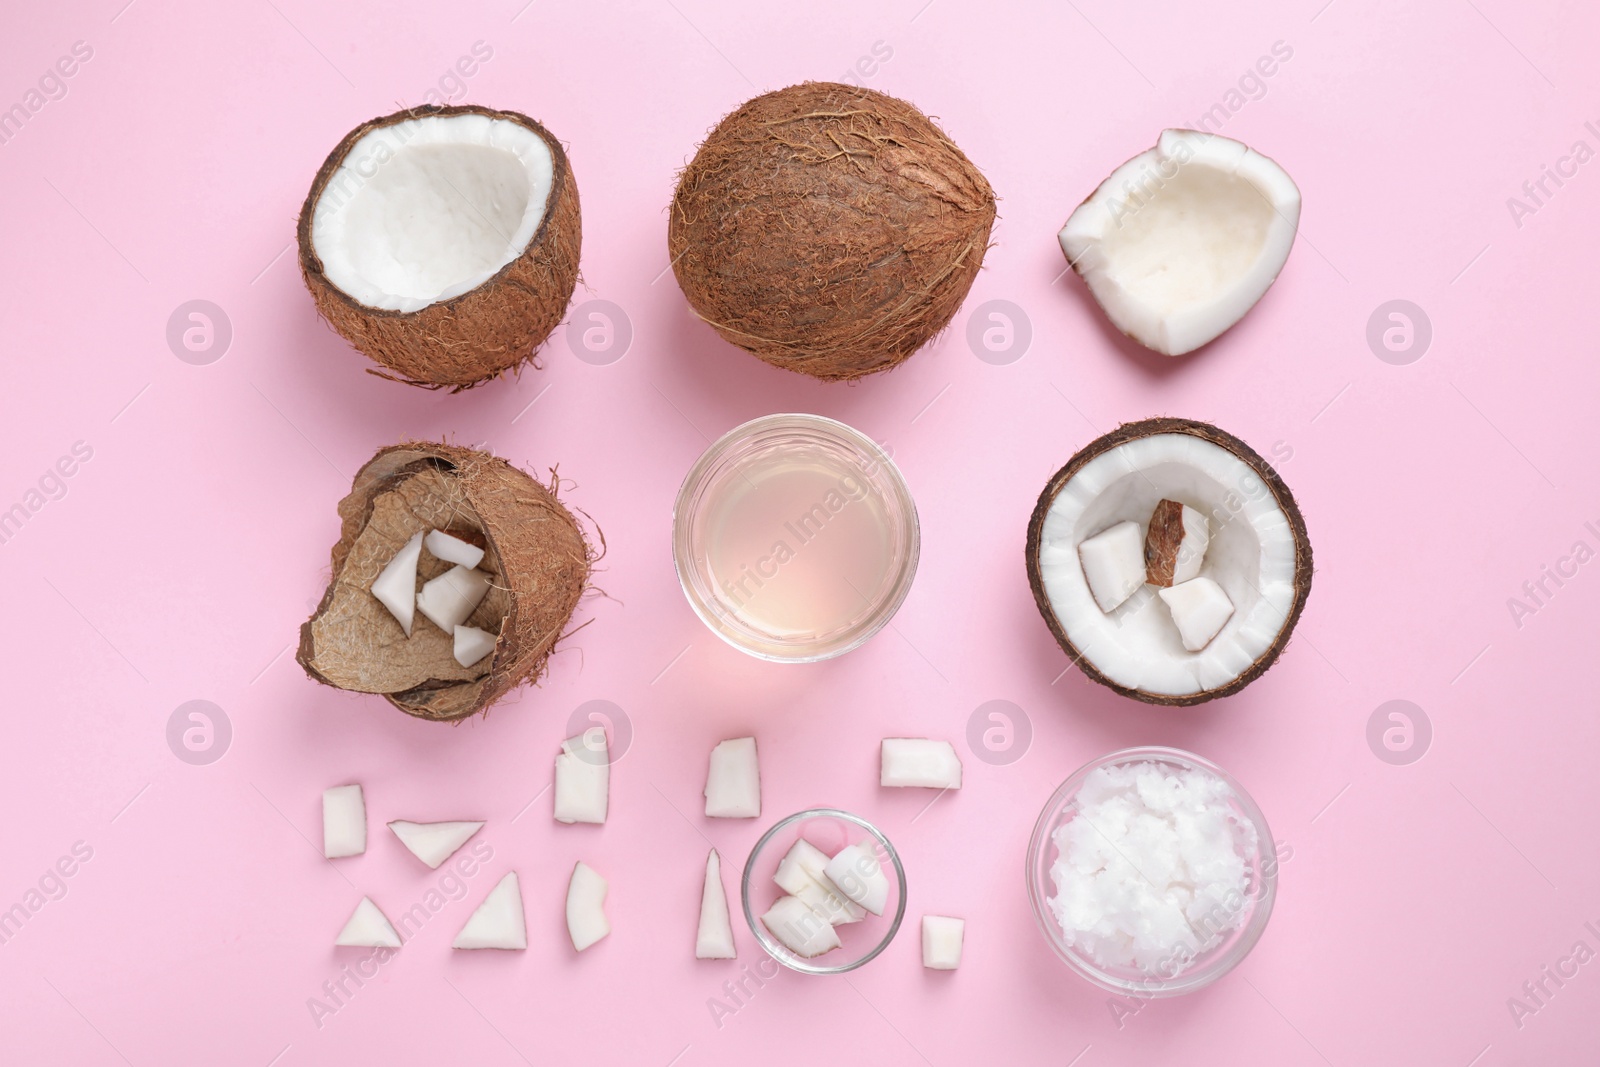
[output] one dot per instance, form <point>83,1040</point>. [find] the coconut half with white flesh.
<point>443,242</point>
<point>1182,240</point>
<point>1258,554</point>
<point>535,568</point>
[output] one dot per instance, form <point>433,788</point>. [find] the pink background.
<point>189,548</point>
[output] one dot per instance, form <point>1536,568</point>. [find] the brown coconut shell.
<point>535,553</point>
<point>1269,477</point>
<point>829,229</point>
<point>483,333</point>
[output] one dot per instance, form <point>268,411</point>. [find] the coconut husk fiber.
<point>1274,483</point>
<point>829,229</point>
<point>535,555</point>
<point>481,334</point>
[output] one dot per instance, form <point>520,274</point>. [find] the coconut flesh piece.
<point>1257,555</point>
<point>586,915</point>
<point>583,778</point>
<point>733,780</point>
<point>1199,609</point>
<point>499,921</point>
<point>472,644</point>
<point>433,842</point>
<point>426,209</point>
<point>1182,240</point>
<point>1175,546</point>
<point>941,942</point>
<point>344,822</point>
<point>447,601</point>
<point>800,929</point>
<point>1114,564</point>
<point>714,938</point>
<point>368,927</point>
<point>859,875</point>
<point>917,761</point>
<point>396,584</point>
<point>453,549</point>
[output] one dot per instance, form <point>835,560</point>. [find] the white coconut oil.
<point>795,537</point>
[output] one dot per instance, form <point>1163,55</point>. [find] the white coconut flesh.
<point>1181,241</point>
<point>1251,556</point>
<point>426,209</point>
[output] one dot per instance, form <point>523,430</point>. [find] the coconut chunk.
<point>583,778</point>
<point>800,929</point>
<point>453,549</point>
<point>472,644</point>
<point>1200,609</point>
<point>1113,564</point>
<point>714,938</point>
<point>368,927</point>
<point>499,921</point>
<point>1175,545</point>
<point>917,761</point>
<point>804,862</point>
<point>586,915</point>
<point>448,599</point>
<point>396,585</point>
<point>733,782</point>
<point>344,822</point>
<point>859,875</point>
<point>433,842</point>
<point>1182,240</point>
<point>941,942</point>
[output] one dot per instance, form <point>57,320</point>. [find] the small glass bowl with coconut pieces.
<point>1170,561</point>
<point>795,538</point>
<point>824,891</point>
<point>1151,872</point>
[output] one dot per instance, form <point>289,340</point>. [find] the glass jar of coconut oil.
<point>795,538</point>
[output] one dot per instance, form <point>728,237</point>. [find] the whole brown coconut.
<point>535,554</point>
<point>829,229</point>
<point>1265,479</point>
<point>476,336</point>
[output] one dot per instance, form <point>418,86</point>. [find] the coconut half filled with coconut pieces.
<point>443,242</point>
<point>1182,240</point>
<point>1170,561</point>
<point>453,578</point>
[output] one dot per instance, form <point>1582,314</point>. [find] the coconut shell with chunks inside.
<point>535,555</point>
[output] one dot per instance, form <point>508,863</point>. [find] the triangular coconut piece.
<point>433,842</point>
<point>1182,240</point>
<point>714,940</point>
<point>368,928</point>
<point>396,585</point>
<point>498,922</point>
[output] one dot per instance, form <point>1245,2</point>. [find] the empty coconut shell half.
<point>1182,240</point>
<point>535,558</point>
<point>828,229</point>
<point>1134,494</point>
<point>443,242</point>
